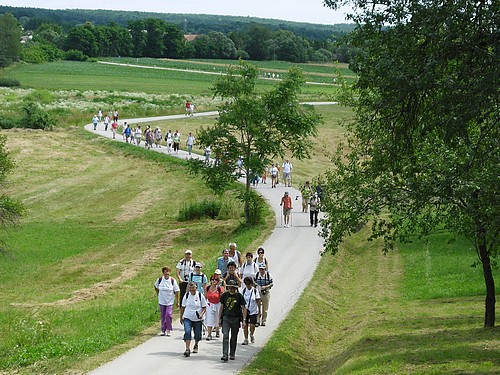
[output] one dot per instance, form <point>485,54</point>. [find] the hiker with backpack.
<point>184,269</point>
<point>213,293</point>
<point>249,268</point>
<point>264,282</point>
<point>198,277</point>
<point>231,274</point>
<point>167,291</point>
<point>260,259</point>
<point>252,301</point>
<point>193,309</point>
<point>232,313</point>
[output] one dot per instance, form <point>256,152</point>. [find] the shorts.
<point>252,319</point>
<point>287,211</point>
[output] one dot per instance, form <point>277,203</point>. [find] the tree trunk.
<point>489,315</point>
<point>247,197</point>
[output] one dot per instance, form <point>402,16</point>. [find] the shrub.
<point>75,55</point>
<point>9,82</point>
<point>8,123</point>
<point>36,118</point>
<point>198,210</point>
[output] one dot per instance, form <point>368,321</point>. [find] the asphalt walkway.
<point>293,255</point>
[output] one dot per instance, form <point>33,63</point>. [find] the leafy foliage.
<point>424,151</point>
<point>36,118</point>
<point>10,36</point>
<point>254,127</point>
<point>10,210</point>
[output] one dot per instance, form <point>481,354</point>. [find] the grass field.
<point>102,220</point>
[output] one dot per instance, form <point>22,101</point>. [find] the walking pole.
<point>291,217</point>
<point>281,217</point>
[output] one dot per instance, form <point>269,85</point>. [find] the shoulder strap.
<point>159,280</point>
<point>172,281</point>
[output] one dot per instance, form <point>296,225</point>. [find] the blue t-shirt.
<point>199,280</point>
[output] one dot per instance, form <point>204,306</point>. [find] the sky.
<point>311,11</point>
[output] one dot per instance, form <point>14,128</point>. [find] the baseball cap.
<point>188,252</point>
<point>218,272</point>
<point>262,265</point>
<point>232,283</point>
<point>198,264</point>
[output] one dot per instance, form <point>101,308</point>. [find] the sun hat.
<point>218,272</point>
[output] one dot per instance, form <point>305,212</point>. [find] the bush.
<point>8,123</point>
<point>36,118</point>
<point>198,210</point>
<point>75,55</point>
<point>9,82</point>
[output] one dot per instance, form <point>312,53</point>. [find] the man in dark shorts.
<point>233,312</point>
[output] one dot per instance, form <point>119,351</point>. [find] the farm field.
<point>102,220</point>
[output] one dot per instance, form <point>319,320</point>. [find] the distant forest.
<point>49,35</point>
<point>31,18</point>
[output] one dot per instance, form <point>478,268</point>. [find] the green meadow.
<point>102,219</point>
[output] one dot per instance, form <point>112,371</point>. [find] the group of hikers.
<point>236,295</point>
<point>311,199</point>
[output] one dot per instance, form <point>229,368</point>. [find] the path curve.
<point>293,255</point>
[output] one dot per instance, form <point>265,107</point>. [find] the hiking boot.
<point>217,334</point>
<point>245,342</point>
<point>224,358</point>
<point>252,339</point>
<point>168,333</point>
<point>187,353</point>
<point>162,333</point>
<point>263,324</point>
<point>257,324</point>
<point>209,337</point>
<point>195,349</point>
<point>231,357</point>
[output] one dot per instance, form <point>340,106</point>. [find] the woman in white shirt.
<point>193,308</point>
<point>167,291</point>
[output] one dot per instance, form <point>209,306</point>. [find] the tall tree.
<point>82,38</point>
<point>10,210</point>
<point>10,40</point>
<point>174,42</point>
<point>255,126</point>
<point>154,38</point>
<point>424,151</point>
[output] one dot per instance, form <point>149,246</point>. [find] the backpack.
<point>190,264</point>
<point>171,280</point>
<point>265,261</point>
<point>219,290</point>
<point>191,276</point>
<point>266,276</point>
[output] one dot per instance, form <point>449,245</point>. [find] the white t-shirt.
<point>193,304</point>
<point>251,296</point>
<point>287,167</point>
<point>185,267</point>
<point>249,270</point>
<point>167,290</point>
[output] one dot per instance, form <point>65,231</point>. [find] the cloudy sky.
<point>311,11</point>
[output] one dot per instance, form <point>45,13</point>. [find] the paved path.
<point>293,255</point>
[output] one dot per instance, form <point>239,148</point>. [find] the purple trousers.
<point>166,317</point>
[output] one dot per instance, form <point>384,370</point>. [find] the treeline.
<point>32,18</point>
<point>156,38</point>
